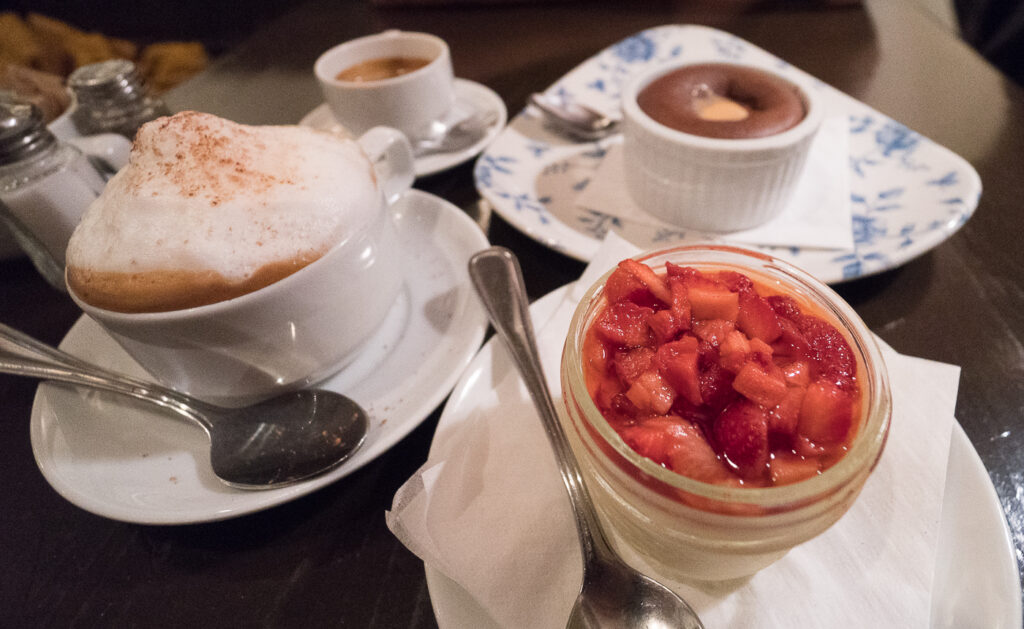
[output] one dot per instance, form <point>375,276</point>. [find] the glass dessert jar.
<point>691,530</point>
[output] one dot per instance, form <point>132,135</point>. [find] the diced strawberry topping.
<point>784,306</point>
<point>756,318</point>
<point>759,385</point>
<point>651,393</point>
<point>707,375</point>
<point>713,302</point>
<point>665,326</point>
<point>829,349</point>
<point>741,432</point>
<point>716,386</point>
<point>678,362</point>
<point>733,351</point>
<point>648,278</point>
<point>826,413</point>
<point>797,373</point>
<point>784,416</point>
<point>623,286</point>
<point>625,324</point>
<point>680,302</point>
<point>629,364</point>
<point>736,282</point>
<point>713,331</point>
<point>791,342</point>
<point>678,445</point>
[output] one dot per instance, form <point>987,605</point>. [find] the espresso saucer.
<point>122,459</point>
<point>470,98</point>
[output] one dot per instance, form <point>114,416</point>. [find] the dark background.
<point>994,27</point>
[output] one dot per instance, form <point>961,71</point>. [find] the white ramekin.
<point>713,184</point>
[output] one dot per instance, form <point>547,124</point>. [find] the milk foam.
<point>204,194</point>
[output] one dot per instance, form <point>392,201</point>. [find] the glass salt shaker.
<point>112,99</point>
<point>45,186</point>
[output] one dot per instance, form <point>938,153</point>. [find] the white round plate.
<point>117,458</point>
<point>908,194</point>
<point>976,582</point>
<point>470,97</point>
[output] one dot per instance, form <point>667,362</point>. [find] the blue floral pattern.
<point>907,194</point>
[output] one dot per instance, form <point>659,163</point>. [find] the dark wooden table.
<point>328,559</point>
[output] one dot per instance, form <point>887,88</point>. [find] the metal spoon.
<point>574,119</point>
<point>450,138</point>
<point>277,442</point>
<point>613,594</point>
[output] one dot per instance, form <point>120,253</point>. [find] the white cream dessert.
<point>208,209</point>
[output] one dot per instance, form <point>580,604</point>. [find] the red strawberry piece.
<point>736,282</point>
<point>683,272</point>
<point>784,306</point>
<point>791,342</point>
<point>797,373</point>
<point>625,324</point>
<point>678,363</point>
<point>648,278</point>
<point>741,432</point>
<point>761,352</point>
<point>629,364</point>
<point>713,331</point>
<point>680,302</point>
<point>694,457</point>
<point>716,386</point>
<point>786,468</point>
<point>784,416</point>
<point>678,445</point>
<point>665,326</point>
<point>624,286</point>
<point>826,413</point>
<point>759,385</point>
<point>651,393</point>
<point>829,350</point>
<point>712,302</point>
<point>733,351</point>
<point>756,318</point>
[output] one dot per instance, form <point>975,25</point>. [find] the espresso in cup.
<point>721,100</point>
<point>208,210</point>
<point>381,68</point>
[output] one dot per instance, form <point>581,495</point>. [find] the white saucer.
<point>470,97</point>
<point>116,458</point>
<point>976,582</point>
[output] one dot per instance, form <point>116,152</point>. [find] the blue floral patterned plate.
<point>907,193</point>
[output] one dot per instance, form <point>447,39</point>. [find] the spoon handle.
<point>499,282</point>
<point>39,360</point>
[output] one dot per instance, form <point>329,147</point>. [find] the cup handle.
<point>391,155</point>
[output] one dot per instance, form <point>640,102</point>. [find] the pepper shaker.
<point>112,98</point>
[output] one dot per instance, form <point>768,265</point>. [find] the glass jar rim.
<point>876,412</point>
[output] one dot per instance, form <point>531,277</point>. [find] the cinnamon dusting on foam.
<point>208,210</point>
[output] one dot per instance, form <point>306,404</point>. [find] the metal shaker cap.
<point>22,131</point>
<point>113,80</point>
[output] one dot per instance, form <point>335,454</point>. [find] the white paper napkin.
<point>489,511</point>
<point>818,215</point>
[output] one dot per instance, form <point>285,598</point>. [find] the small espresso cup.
<point>293,332</point>
<point>408,102</point>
